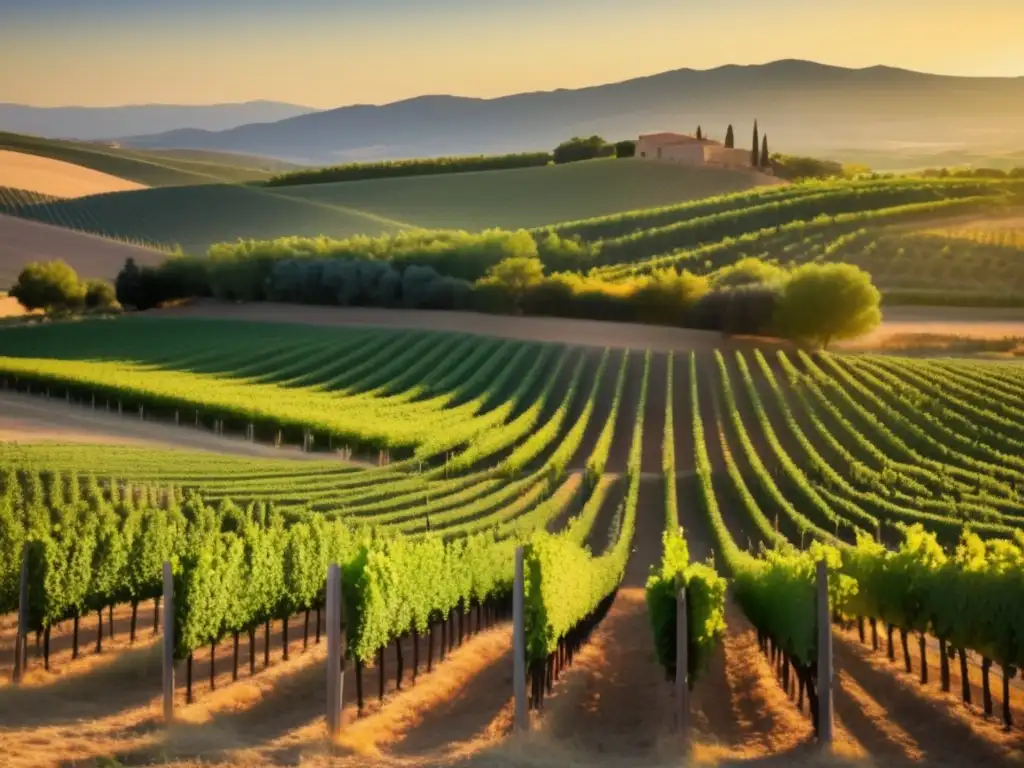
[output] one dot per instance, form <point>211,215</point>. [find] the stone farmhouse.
<point>687,149</point>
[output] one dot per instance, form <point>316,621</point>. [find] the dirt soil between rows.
<point>28,419</point>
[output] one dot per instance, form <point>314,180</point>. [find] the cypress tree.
<point>755,159</point>
<point>700,135</point>
<point>730,139</point>
<point>765,161</point>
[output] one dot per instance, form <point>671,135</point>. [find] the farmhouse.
<point>687,149</point>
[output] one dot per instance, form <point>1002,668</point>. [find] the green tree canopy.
<point>50,285</point>
<point>822,303</point>
<point>579,148</point>
<point>516,275</point>
<point>748,271</point>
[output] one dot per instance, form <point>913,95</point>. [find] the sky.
<point>328,53</point>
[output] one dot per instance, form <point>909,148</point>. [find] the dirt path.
<point>614,699</point>
<point>29,419</point>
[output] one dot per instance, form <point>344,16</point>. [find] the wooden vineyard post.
<point>825,671</point>
<point>682,661</point>
<point>335,675</point>
<point>519,644</point>
<point>21,640</point>
<point>168,644</point>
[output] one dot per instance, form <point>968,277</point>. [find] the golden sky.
<point>325,53</point>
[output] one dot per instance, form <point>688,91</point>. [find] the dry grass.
<point>47,176</point>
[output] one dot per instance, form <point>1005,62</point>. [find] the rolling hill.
<point>151,169</point>
<point>55,178</point>
<point>88,123</point>
<point>805,107</point>
<point>22,242</point>
<point>197,216</point>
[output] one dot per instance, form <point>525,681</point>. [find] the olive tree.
<point>822,303</point>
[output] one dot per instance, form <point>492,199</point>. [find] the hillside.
<point>152,169</point>
<point>22,242</point>
<point>93,123</point>
<point>55,178</point>
<point>195,217</point>
<point>755,453</point>
<point>805,107</point>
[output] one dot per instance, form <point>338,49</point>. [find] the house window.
<point>643,154</point>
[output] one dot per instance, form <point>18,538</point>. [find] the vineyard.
<point>729,473</point>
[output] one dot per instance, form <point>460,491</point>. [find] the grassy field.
<point>529,197</point>
<point>491,442</point>
<point>152,168</point>
<point>195,217</point>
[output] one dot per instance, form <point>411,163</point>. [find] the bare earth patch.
<point>986,323</point>
<point>57,178</point>
<point>10,307</point>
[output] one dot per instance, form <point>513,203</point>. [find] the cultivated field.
<point>924,241</point>
<point>57,178</point>
<point>196,217</point>
<point>514,434</point>
<point>150,168</point>
<point>22,242</point>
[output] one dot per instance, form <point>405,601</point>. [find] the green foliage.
<point>100,295</point>
<point>52,286</point>
<point>828,302</point>
<point>625,148</point>
<point>795,168</point>
<point>565,583</point>
<point>515,276</point>
<point>705,589</point>
<point>579,148</point>
<point>419,167</point>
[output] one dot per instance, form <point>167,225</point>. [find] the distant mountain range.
<point>90,123</point>
<point>803,106</point>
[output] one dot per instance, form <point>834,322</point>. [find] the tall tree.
<point>755,158</point>
<point>765,158</point>
<point>730,139</point>
<point>700,135</point>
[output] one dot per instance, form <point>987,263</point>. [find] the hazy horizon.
<point>325,54</point>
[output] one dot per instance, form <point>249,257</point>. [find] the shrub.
<point>578,148</point>
<point>418,167</point>
<point>748,271</point>
<point>100,295</point>
<point>515,276</point>
<point>625,148</point>
<point>822,303</point>
<point>744,309</point>
<point>792,167</point>
<point>52,286</point>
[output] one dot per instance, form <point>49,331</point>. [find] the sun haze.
<point>326,54</point>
